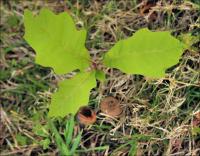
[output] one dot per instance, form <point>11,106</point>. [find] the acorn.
<point>111,106</point>
<point>86,116</point>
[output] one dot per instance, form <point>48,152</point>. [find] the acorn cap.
<point>86,115</point>
<point>111,106</point>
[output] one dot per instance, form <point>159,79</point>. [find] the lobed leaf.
<point>100,75</point>
<point>72,94</point>
<point>57,42</point>
<point>146,53</point>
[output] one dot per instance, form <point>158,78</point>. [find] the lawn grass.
<point>161,116</point>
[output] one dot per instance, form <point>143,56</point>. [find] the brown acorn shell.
<point>86,116</point>
<point>111,106</point>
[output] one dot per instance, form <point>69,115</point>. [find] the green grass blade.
<point>133,149</point>
<point>69,130</point>
<point>59,141</point>
<point>76,143</point>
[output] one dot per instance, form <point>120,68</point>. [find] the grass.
<point>160,116</point>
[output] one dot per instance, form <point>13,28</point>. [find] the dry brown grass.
<point>160,114</point>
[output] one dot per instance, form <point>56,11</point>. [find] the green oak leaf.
<point>57,42</point>
<point>72,94</point>
<point>146,53</point>
<point>100,75</point>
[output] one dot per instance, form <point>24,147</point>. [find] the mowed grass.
<point>161,116</point>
